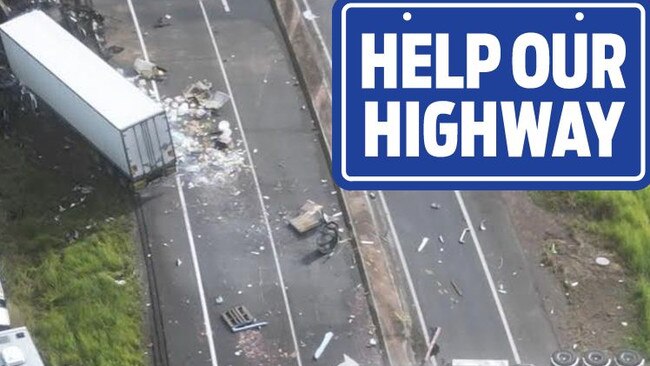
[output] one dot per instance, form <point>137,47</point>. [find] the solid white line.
<point>226,7</point>
<point>145,54</point>
<point>319,34</point>
<point>407,273</point>
<point>197,273</point>
<point>186,218</point>
<point>486,270</point>
<point>257,184</point>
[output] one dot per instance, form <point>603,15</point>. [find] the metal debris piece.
<point>238,318</point>
<point>482,225</point>
<point>310,217</point>
<point>163,21</point>
<point>199,90</point>
<point>347,361</point>
<point>602,261</point>
<point>423,244</point>
<point>456,288</point>
<point>148,69</point>
<point>462,236</point>
<point>216,101</point>
<point>328,238</point>
<point>326,340</point>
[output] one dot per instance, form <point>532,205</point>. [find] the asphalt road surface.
<point>481,292</point>
<point>223,233</point>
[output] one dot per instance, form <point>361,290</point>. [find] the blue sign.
<point>432,95</point>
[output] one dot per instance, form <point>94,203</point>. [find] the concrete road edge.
<point>389,303</point>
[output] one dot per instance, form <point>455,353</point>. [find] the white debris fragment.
<point>372,342</point>
<point>309,15</point>
<point>441,239</point>
<point>218,300</point>
<point>482,226</point>
<point>347,361</point>
<point>501,289</point>
<point>120,282</point>
<point>462,235</point>
<point>368,242</point>
<point>423,243</point>
<point>602,261</point>
<point>435,206</point>
<point>326,340</point>
<point>624,324</point>
<point>574,284</point>
<point>178,262</point>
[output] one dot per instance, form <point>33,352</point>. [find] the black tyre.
<point>596,358</point>
<point>564,358</point>
<point>629,358</point>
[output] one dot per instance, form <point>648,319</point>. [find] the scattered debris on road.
<point>328,237</point>
<point>326,340</point>
<point>482,226</point>
<point>423,244</point>
<point>502,289</point>
<point>218,300</point>
<point>462,236</point>
<point>456,288</point>
<point>163,21</point>
<point>441,239</point>
<point>178,262</point>
<point>372,195</point>
<point>238,319</point>
<point>311,216</point>
<point>435,206</point>
<point>148,69</point>
<point>347,361</point>
<point>309,15</point>
<point>602,261</point>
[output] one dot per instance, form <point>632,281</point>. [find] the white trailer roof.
<point>90,77</point>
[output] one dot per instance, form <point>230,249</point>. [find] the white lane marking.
<point>486,270</point>
<point>197,273</point>
<point>226,7</point>
<point>407,273</point>
<point>257,184</point>
<point>319,34</point>
<point>186,219</point>
<point>145,54</point>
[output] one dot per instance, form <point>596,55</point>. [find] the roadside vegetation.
<point>623,219</point>
<point>68,255</point>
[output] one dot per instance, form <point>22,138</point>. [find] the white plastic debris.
<point>462,235</point>
<point>178,262</point>
<point>423,244</point>
<point>482,225</point>
<point>218,300</point>
<point>347,361</point>
<point>326,340</point>
<point>501,289</point>
<point>602,261</point>
<point>309,15</point>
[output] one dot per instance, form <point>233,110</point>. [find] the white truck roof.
<point>90,77</point>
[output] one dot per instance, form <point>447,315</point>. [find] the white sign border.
<point>350,178</point>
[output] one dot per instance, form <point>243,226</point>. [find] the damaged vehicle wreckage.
<point>134,137</point>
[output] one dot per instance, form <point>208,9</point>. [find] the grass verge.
<point>623,218</point>
<point>68,256</point>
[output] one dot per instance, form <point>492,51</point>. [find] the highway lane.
<point>236,222</point>
<point>503,319</point>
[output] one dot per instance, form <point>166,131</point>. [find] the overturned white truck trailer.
<point>126,126</point>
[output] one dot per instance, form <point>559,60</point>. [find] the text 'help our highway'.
<point>447,96</point>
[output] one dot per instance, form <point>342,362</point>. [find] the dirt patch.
<point>590,306</point>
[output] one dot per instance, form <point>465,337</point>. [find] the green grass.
<point>66,291</point>
<point>623,219</point>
